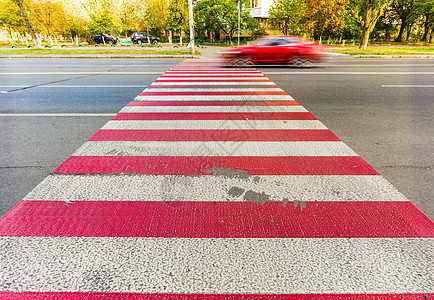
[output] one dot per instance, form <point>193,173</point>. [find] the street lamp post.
<point>239,12</point>
<point>190,17</point>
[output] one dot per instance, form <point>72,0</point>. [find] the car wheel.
<point>300,62</point>
<point>243,61</point>
<point>139,42</point>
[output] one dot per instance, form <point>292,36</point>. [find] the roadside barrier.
<point>13,46</point>
<point>47,46</point>
<point>143,46</point>
<point>81,45</point>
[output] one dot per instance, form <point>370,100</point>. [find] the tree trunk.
<point>409,27</point>
<point>401,30</point>
<point>426,28</point>
<point>431,36</point>
<point>365,28</point>
<point>147,34</point>
<point>29,27</point>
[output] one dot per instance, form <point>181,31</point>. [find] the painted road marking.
<point>196,266</point>
<point>214,165</point>
<point>346,73</point>
<point>198,220</point>
<point>212,109</point>
<point>152,89</point>
<point>174,198</point>
<point>214,124</point>
<point>213,103</point>
<point>210,83</point>
<point>231,186</point>
<point>214,98</point>
<point>214,135</point>
<point>408,85</point>
<point>214,148</point>
<point>215,116</point>
<point>57,115</point>
<point>73,86</point>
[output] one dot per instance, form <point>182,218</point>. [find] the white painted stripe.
<point>217,89</point>
<point>215,124</point>
<point>206,109</point>
<point>58,115</point>
<point>215,98</point>
<point>213,148</point>
<point>218,266</point>
<point>408,85</point>
<point>72,86</point>
<point>214,188</point>
<point>215,75</point>
<point>218,83</point>
<point>82,73</point>
<point>347,73</point>
<point>215,78</point>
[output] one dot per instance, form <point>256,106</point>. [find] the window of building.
<point>254,3</point>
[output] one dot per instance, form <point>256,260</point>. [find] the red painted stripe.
<point>214,103</point>
<point>208,165</point>
<point>248,72</point>
<point>182,219</point>
<point>212,80</point>
<point>243,93</point>
<point>208,86</point>
<point>211,75</point>
<point>214,135</point>
<point>216,116</point>
<point>139,296</point>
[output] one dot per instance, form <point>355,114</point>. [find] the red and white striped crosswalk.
<point>215,184</point>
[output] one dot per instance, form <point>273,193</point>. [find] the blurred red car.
<point>276,50</point>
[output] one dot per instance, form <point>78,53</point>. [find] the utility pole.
<point>190,17</point>
<point>239,12</point>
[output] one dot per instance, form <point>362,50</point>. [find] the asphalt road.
<point>382,109</point>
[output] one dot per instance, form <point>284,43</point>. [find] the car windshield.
<point>261,42</point>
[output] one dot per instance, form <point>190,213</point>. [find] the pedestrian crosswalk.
<point>215,184</point>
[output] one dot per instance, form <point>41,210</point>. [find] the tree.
<point>221,15</point>
<point>288,13</point>
<point>48,16</point>
<point>128,12</point>
<point>405,12</point>
<point>177,18</point>
<point>11,18</point>
<point>24,14</point>
<point>372,11</point>
<point>99,12</point>
<point>426,7</point>
<point>154,15</point>
<point>326,17</point>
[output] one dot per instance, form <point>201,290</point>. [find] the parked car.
<point>142,37</point>
<point>275,50</point>
<point>104,39</point>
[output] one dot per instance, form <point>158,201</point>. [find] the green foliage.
<point>221,15</point>
<point>288,14</point>
<point>10,17</point>
<point>177,18</point>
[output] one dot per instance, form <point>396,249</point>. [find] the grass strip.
<point>88,51</point>
<point>386,51</point>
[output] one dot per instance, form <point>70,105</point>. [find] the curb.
<point>394,56</point>
<point>95,56</point>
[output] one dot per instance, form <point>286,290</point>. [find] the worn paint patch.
<point>228,172</point>
<point>256,197</point>
<point>235,192</point>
